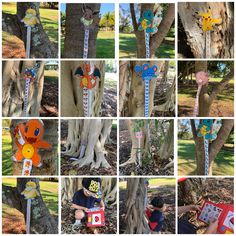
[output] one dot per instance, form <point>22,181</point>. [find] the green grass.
<point>223,164</point>
<point>6,154</point>
<point>49,191</point>
<point>128,48</point>
<point>51,75</point>
<point>154,182</point>
<point>48,17</point>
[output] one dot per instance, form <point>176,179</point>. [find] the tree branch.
<point>132,11</point>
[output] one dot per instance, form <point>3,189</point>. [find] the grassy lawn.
<point>128,47</point>
<point>48,17</point>
<point>223,106</point>
<point>105,44</point>
<point>51,75</point>
<point>155,182</point>
<point>49,191</point>
<point>6,153</point>
<point>223,164</point>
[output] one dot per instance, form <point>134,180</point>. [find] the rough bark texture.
<point>71,185</point>
<point>41,221</point>
<point>86,140</point>
<point>49,158</point>
<point>136,222</point>
<point>14,86</point>
<point>72,93</point>
<point>221,37</point>
<point>41,47</point>
<point>157,38</point>
<point>214,146</point>
<point>74,38</point>
<point>132,90</point>
<point>206,99</point>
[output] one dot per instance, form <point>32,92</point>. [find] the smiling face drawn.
<point>33,131</point>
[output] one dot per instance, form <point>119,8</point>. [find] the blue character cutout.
<point>147,73</point>
<point>205,129</point>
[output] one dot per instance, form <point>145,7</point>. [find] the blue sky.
<point>105,7</point>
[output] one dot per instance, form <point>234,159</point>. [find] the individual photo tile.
<point>147,30</point>
<point>30,206</point>
<point>146,147</point>
<point>206,147</point>
<point>89,205</point>
<point>89,147</point>
<point>88,30</point>
<point>206,29</point>
<point>30,29</point>
<point>30,88</point>
<point>29,147</point>
<point>147,88</point>
<point>147,205</point>
<point>205,88</point>
<point>205,206</point>
<point>88,88</point>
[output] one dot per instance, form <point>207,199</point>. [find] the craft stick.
<point>26,96</point>
<point>28,41</point>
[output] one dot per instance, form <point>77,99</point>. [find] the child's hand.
<point>86,209</point>
<point>103,208</point>
<point>194,208</point>
<point>212,228</point>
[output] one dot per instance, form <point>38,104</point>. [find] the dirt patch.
<point>67,221</point>
<point>109,105</point>
<point>167,193</point>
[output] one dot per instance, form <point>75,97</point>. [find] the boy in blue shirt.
<point>155,214</point>
<point>86,198</point>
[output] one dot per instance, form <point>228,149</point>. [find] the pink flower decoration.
<point>201,78</point>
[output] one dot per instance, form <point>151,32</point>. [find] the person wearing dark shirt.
<point>86,198</point>
<point>155,214</point>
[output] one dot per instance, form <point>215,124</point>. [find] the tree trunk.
<point>167,146</point>
<point>72,93</point>
<point>206,99</point>
<point>49,158</point>
<point>144,142</point>
<point>157,38</point>
<point>136,222</point>
<point>214,146</point>
<point>86,140</point>
<point>221,37</point>
<point>41,221</point>
<point>74,38</point>
<point>133,88</point>
<point>14,89</point>
<point>41,47</point>
<point>71,185</point>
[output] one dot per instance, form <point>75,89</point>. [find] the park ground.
<point>223,164</point>
<point>13,47</point>
<point>128,48</point>
<point>223,106</point>
<point>68,169</point>
<point>13,221</point>
<point>217,190</point>
<point>105,44</point>
<point>163,187</point>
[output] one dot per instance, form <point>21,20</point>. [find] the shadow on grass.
<point>6,157</point>
<point>105,48</point>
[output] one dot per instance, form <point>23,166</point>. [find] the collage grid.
<point>155,185</point>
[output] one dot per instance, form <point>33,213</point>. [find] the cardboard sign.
<point>96,217</point>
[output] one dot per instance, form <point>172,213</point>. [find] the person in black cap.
<point>155,214</point>
<point>86,198</point>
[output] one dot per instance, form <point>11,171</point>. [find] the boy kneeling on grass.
<point>155,214</point>
<point>86,198</point>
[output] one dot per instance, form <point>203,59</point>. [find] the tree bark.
<point>72,93</point>
<point>214,147</point>
<point>86,140</point>
<point>136,222</point>
<point>14,87</point>
<point>49,158</point>
<point>157,38</point>
<point>41,221</point>
<point>74,38</point>
<point>41,47</point>
<point>221,37</point>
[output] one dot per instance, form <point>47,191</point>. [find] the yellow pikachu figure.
<point>30,18</point>
<point>30,191</point>
<point>207,21</point>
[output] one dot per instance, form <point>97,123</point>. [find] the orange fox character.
<point>31,134</point>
